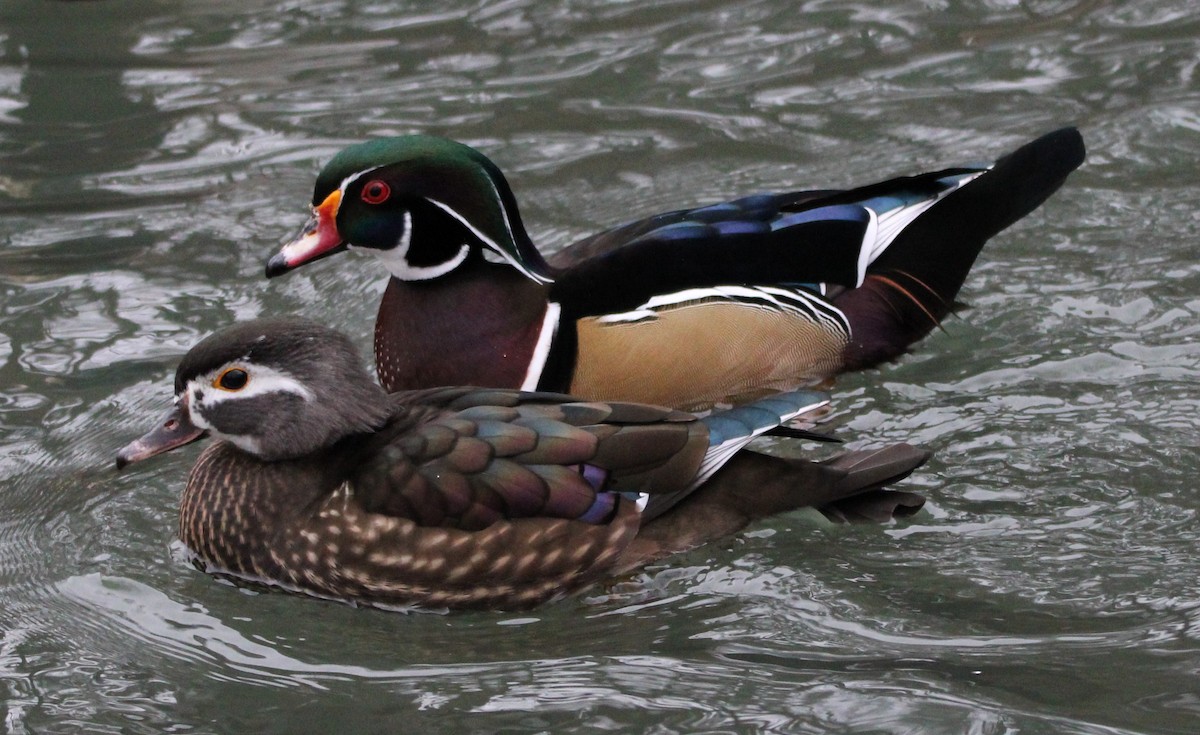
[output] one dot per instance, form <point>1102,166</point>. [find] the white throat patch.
<point>396,259</point>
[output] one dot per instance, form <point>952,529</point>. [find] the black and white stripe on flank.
<point>772,298</point>
<point>889,224</point>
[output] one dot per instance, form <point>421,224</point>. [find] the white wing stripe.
<point>764,297</point>
<point>888,225</point>
<point>717,456</point>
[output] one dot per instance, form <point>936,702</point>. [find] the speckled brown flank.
<point>467,497</point>
<point>242,516</point>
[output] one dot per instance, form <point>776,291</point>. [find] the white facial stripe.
<point>263,380</point>
<point>396,262</point>
<point>508,228</point>
<point>193,412</point>
<point>346,182</point>
<point>488,241</point>
<point>396,259</point>
<point>399,266</point>
<point>245,443</point>
<point>196,407</point>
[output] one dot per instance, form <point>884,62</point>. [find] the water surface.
<point>152,154</point>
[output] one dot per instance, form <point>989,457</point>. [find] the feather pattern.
<point>854,276</point>
<point>468,497</point>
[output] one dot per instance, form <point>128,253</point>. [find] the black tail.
<point>912,285</point>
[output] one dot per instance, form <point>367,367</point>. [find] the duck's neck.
<point>482,325</point>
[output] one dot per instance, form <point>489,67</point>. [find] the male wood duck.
<point>690,308</point>
<point>465,497</point>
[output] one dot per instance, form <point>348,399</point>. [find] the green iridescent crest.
<point>456,178</point>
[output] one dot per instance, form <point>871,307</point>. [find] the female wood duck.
<point>465,497</point>
<point>687,309</point>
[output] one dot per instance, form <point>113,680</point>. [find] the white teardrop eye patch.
<point>231,379</point>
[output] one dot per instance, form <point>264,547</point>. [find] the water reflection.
<point>73,95</point>
<point>153,158</point>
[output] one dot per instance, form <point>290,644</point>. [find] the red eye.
<point>376,192</point>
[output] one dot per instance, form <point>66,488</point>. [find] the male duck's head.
<point>275,388</point>
<point>425,205</point>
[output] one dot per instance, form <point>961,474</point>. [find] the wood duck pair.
<point>690,309</point>
<point>467,497</point>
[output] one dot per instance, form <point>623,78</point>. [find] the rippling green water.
<point>152,154</point>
